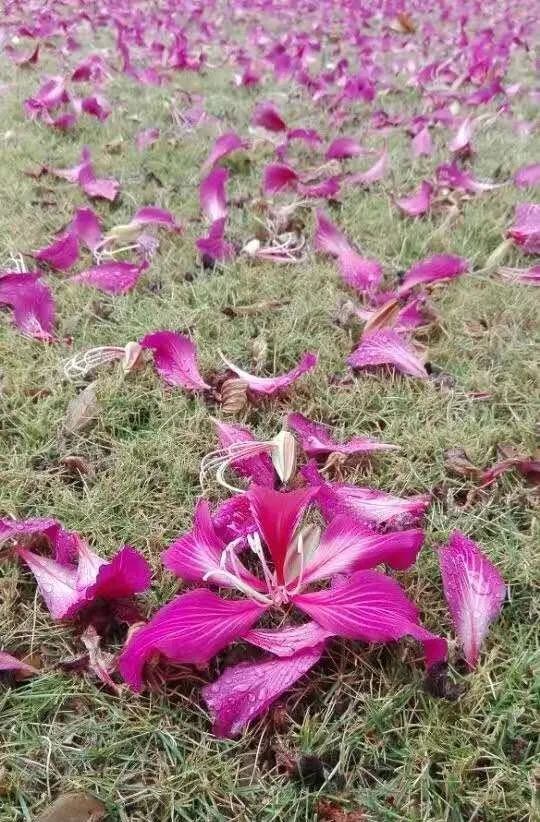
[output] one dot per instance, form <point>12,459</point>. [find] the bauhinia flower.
<point>365,605</point>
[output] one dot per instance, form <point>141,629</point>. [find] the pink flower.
<point>474,590</point>
<point>366,606</point>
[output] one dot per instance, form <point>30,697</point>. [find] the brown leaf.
<point>345,313</point>
<point>383,317</point>
<point>115,146</point>
<point>83,411</point>
<point>233,395</point>
<point>99,662</point>
<point>405,23</point>
<point>75,466</point>
<point>74,807</point>
<point>328,811</point>
<point>457,462</point>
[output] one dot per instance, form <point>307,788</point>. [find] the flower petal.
<point>212,194</point>
<point>11,663</point>
<point>359,272</point>
<point>278,516</point>
<point>153,215</point>
<point>474,591</point>
<point>247,690</point>
<point>223,146</point>
<point>190,629</point>
<point>57,584</point>
<point>370,607</point>
<point>258,467</point>
<point>371,175</point>
<point>267,116</point>
<point>62,253</point>
<point>527,176</point>
<point>525,276</point>
<point>64,543</point>
<point>197,552</point>
<point>526,229</point>
<point>270,385</point>
<point>417,203</point>
<point>87,227</point>
<point>387,347</point>
<point>288,641</point>
<point>347,546</point>
<point>435,268</point>
<point>342,148</point>
<point>317,441</point>
<point>328,238</point>
<point>175,359</point>
<point>115,277</point>
<point>32,303</point>
<point>422,144</point>
<point>278,176</point>
<point>214,246</point>
<point>126,574</point>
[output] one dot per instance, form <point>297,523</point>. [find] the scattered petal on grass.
<point>267,116</point>
<point>527,176</point>
<point>145,139</point>
<point>526,229</point>
<point>32,303</point>
<point>474,590</point>
<point>223,146</point>
<point>277,177</point>
<point>271,385</point>
<point>115,277</point>
<point>288,641</point>
<point>342,148</point>
<point>212,194</point>
<point>316,440</point>
<point>371,175</point>
<point>387,347</point>
<point>11,663</point>
<point>433,269</point>
<point>60,254</point>
<point>258,467</point>
<point>175,359</point>
<point>417,204</point>
<point>524,276</point>
<point>422,144</point>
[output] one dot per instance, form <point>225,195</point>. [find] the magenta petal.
<point>328,238</point>
<point>62,253</point>
<point>525,276</point>
<point>126,574</point>
<point>359,272</point>
<point>270,385</point>
<point>347,545</point>
<point>341,148</point>
<point>422,144</point>
<point>435,268</point>
<point>328,189</point>
<point>462,138</point>
<point>153,215</point>
<point>387,347</point>
<point>371,175</point>
<point>32,303</point>
<point>97,106</point>
<point>214,245</point>
<point>278,176</point>
<point>278,515</point>
<point>146,138</point>
<point>527,176</point>
<point>526,229</point>
<point>11,663</point>
<point>245,691</point>
<point>113,277</point>
<point>474,591</point>
<point>175,359</point>
<point>288,641</point>
<point>370,607</point>
<point>57,584</point>
<point>212,194</point>
<point>63,543</point>
<point>267,116</point>
<point>102,188</point>
<point>197,552</point>
<point>257,467</point>
<point>317,441</point>
<point>86,226</point>
<point>223,146</point>
<point>190,629</point>
<point>418,203</point>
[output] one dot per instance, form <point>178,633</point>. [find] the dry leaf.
<point>101,663</point>
<point>405,22</point>
<point>457,461</point>
<point>345,313</point>
<point>328,811</point>
<point>74,807</point>
<point>438,684</point>
<point>233,395</point>
<point>75,466</point>
<point>82,411</point>
<point>115,146</point>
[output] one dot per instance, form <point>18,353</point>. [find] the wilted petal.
<point>435,268</point>
<point>278,176</point>
<point>328,238</point>
<point>32,303</point>
<point>527,176</point>
<point>146,138</point>
<point>418,203</point>
<point>258,467</point>
<point>371,175</point>
<point>422,144</point>
<point>474,591</point>
<point>197,552</point>
<point>288,641</point>
<point>348,546</point>
<point>11,663</point>
<point>57,584</point>
<point>97,106</point>
<point>359,272</point>
<point>247,690</point>
<point>525,276</point>
<point>62,253</point>
<point>223,146</point>
<point>317,441</point>
<point>212,194</point>
<point>387,347</point>
<point>278,515</point>
<point>270,385</point>
<point>341,148</point>
<point>175,359</point>
<point>267,116</point>
<point>373,608</point>
<point>102,188</point>
<point>190,629</point>
<point>113,277</point>
<point>462,139</point>
<point>64,544</point>
<point>126,574</point>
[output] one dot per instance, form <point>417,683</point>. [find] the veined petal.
<point>32,303</point>
<point>278,176</point>
<point>62,253</point>
<point>387,347</point>
<point>288,641</point>
<point>270,385</point>
<point>126,574</point>
<point>328,238</point>
<point>197,552</point>
<point>359,272</point>
<point>258,467</point>
<point>278,516</point>
<point>373,608</point>
<point>316,440</point>
<point>435,268</point>
<point>212,194</point>
<point>116,277</point>
<point>247,690</point>
<point>175,358</point>
<point>348,546</point>
<point>87,227</point>
<point>64,543</point>
<point>190,629</point>
<point>57,584</point>
<point>474,591</point>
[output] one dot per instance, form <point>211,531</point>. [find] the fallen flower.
<point>474,591</point>
<point>387,347</point>
<point>62,253</point>
<point>195,626</point>
<point>371,175</point>
<point>526,229</point>
<point>316,440</point>
<point>223,146</point>
<point>417,204</point>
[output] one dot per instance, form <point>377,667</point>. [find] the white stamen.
<point>81,364</point>
<point>239,584</point>
<point>254,542</point>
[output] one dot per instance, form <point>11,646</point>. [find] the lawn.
<point>391,750</point>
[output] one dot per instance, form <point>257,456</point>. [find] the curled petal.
<point>153,215</point>
<point>86,226</point>
<point>373,608</point>
<point>371,175</point>
<point>317,441</point>
<point>328,238</point>
<point>359,272</point>
<point>474,591</point>
<point>11,663</point>
<point>270,385</point>
<point>175,359</point>
<point>32,303</point>
<point>116,277</point>
<point>278,176</point>
<point>462,139</point>
<point>525,276</point>
<point>247,690</point>
<point>418,203</point>
<point>526,229</point>
<point>223,146</point>
<point>212,194</point>
<point>64,544</point>
<point>214,245</point>
<point>387,347</point>
<point>343,148</point>
<point>267,116</point>
<point>422,144</point>
<point>435,268</point>
<point>190,629</point>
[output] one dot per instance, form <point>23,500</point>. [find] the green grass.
<point>396,752</point>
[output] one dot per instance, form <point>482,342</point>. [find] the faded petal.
<point>371,175</point>
<point>417,203</point>
<point>175,359</point>
<point>223,146</point>
<point>212,194</point>
<point>190,629</point>
<point>11,663</point>
<point>258,467</point>
<point>317,441</point>
<point>527,176</point>
<point>474,591</point>
<point>370,607</point>
<point>62,253</point>
<point>270,385</point>
<point>32,303</point>
<point>247,690</point>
